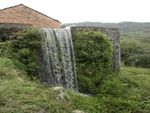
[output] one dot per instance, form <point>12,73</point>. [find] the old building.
<point>21,14</point>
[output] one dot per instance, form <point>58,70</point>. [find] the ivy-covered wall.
<point>21,45</point>
<point>114,37</point>
<point>7,31</point>
<point>93,53</point>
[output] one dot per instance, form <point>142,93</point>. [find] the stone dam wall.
<point>7,33</point>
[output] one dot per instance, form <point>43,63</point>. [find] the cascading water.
<point>57,61</point>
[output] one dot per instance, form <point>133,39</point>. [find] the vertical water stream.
<point>58,60</point>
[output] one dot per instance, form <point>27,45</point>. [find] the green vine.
<point>93,54</point>
<point>23,50</point>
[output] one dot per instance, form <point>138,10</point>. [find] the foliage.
<point>93,54</point>
<point>126,93</point>
<point>5,49</point>
<point>136,52</point>
<point>23,50</point>
<point>86,103</point>
<point>20,95</point>
<point>23,96</point>
<point>9,71</point>
<point>135,42</point>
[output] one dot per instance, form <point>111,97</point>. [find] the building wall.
<point>7,31</point>
<point>24,15</point>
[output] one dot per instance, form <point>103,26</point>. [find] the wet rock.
<point>78,111</point>
<point>61,93</point>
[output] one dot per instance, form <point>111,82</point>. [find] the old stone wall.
<point>114,36</point>
<point>7,31</point>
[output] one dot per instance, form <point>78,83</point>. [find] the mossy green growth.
<point>18,95</point>
<point>93,52</point>
<point>126,93</point>
<point>8,69</point>
<point>135,52</point>
<point>23,50</point>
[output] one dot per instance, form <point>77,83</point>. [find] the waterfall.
<point>57,61</point>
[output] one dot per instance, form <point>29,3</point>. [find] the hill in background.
<point>126,28</point>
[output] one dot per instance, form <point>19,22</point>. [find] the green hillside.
<point>124,27</point>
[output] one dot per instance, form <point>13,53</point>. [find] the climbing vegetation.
<point>93,54</point>
<point>23,50</point>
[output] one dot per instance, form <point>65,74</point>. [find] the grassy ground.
<point>20,95</point>
<point>127,93</point>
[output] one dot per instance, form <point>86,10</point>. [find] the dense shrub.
<point>5,49</point>
<point>23,50</point>
<point>93,54</point>
<point>126,93</point>
<point>135,52</point>
<point>112,86</point>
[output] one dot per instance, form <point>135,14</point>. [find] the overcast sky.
<point>68,11</point>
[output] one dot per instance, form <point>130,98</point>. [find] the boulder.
<point>78,111</point>
<point>61,93</point>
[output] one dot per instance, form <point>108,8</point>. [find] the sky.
<point>69,11</point>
